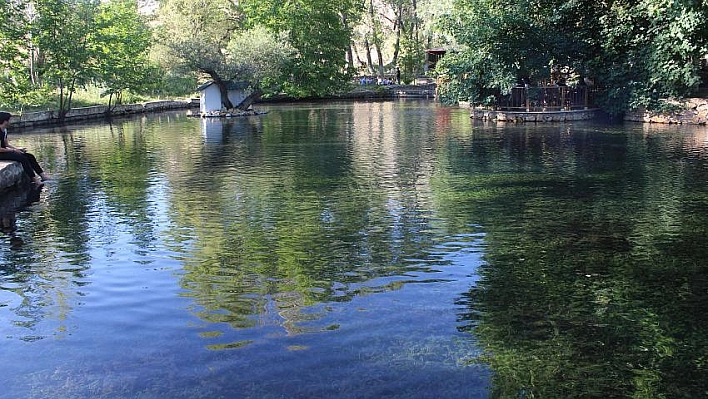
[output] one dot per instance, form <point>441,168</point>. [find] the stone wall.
<point>98,111</point>
<point>694,111</point>
<point>521,117</point>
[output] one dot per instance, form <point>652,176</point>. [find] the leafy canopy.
<point>637,52</point>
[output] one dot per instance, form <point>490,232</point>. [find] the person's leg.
<point>24,161</point>
<point>35,165</point>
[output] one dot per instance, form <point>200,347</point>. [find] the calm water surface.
<point>357,250</point>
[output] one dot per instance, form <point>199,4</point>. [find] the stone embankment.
<point>693,111</point>
<point>99,111</point>
<point>384,92</point>
<point>540,116</point>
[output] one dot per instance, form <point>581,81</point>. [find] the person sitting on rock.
<point>10,153</point>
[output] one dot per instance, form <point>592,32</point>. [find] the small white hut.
<point>210,96</point>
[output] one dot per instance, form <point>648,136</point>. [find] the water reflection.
<point>318,204</point>
<point>218,131</point>
<point>12,201</point>
<point>359,250</point>
<point>19,287</point>
<point>595,283</point>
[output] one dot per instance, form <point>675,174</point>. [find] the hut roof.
<point>230,86</point>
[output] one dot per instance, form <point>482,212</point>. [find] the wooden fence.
<point>546,98</point>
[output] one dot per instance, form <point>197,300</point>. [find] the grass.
<point>83,97</point>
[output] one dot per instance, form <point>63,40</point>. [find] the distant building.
<point>432,56</point>
<point>210,96</point>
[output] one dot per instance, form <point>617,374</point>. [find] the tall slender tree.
<point>63,32</point>
<point>122,49</point>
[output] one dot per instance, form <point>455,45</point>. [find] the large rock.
<point>11,174</point>
<point>691,111</point>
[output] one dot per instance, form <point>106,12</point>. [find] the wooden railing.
<point>546,98</point>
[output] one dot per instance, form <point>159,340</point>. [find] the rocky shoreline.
<point>693,111</point>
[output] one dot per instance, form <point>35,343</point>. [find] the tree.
<point>650,51</point>
<point>13,80</point>
<point>636,52</point>
<point>473,76</point>
<point>63,33</point>
<point>375,36</point>
<point>261,56</point>
<point>122,42</point>
<point>409,40</point>
<point>194,35</point>
<point>317,32</point>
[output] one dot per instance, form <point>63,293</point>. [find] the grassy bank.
<point>84,97</point>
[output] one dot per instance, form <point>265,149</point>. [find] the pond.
<point>391,249</point>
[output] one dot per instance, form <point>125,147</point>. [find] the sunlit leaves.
<point>195,34</point>
<point>315,30</point>
<point>12,57</point>
<point>64,45</point>
<point>64,32</point>
<point>122,44</point>
<point>260,54</point>
<point>472,75</point>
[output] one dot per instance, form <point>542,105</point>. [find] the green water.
<point>357,250</point>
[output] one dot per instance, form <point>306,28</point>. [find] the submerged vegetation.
<point>594,284</point>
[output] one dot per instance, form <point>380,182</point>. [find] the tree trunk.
<point>222,85</point>
<point>398,28</point>
<point>250,99</point>
<point>380,55</point>
<point>375,37</point>
<point>350,56</point>
<point>369,62</point>
<point>359,62</point>
<point>65,95</point>
<point>223,89</point>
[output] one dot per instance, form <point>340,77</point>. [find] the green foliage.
<point>636,52</point>
<point>260,55</point>
<point>64,34</point>
<point>171,85</point>
<point>412,53</point>
<point>194,34</point>
<point>472,76</point>
<point>651,51</point>
<point>122,41</point>
<point>13,82</point>
<point>217,40</point>
<point>31,98</point>
<point>63,46</point>
<point>315,30</point>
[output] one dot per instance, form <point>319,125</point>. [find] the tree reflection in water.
<point>596,281</point>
